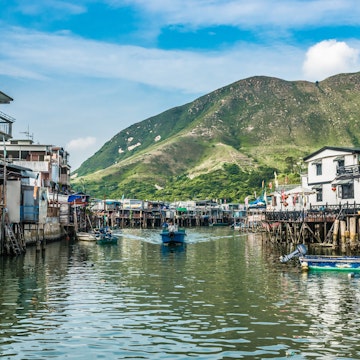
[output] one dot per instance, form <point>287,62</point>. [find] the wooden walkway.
<point>333,226</point>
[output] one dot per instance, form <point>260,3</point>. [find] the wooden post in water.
<point>342,233</point>
<point>43,243</point>
<point>336,233</point>
<point>352,232</point>
<point>38,240</point>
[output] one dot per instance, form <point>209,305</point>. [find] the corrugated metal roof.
<point>5,99</point>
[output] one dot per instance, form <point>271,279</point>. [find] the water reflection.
<point>223,295</point>
<point>173,249</point>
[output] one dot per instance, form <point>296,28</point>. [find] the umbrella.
<point>300,190</point>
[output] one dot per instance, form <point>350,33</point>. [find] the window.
<point>319,194</point>
<point>318,169</point>
<point>347,191</point>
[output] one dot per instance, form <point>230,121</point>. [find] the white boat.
<point>86,236</point>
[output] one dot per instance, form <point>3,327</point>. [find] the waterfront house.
<point>333,174</point>
<point>290,197</point>
<point>331,207</point>
<point>51,163</point>
<point>51,166</point>
<point>332,178</point>
<point>33,181</point>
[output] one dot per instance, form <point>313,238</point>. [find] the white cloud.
<point>80,149</point>
<point>41,55</point>
<point>81,143</point>
<point>49,7</point>
<point>255,13</point>
<point>328,58</point>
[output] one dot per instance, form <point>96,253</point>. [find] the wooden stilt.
<point>352,223</point>
<point>335,236</point>
<point>342,233</point>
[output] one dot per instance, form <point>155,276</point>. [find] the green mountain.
<point>227,143</point>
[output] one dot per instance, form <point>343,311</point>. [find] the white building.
<point>333,178</point>
<point>334,173</point>
<point>50,162</point>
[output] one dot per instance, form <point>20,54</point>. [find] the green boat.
<point>104,236</point>
<point>323,262</point>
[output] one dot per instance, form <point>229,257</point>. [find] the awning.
<point>29,173</point>
<point>339,158</point>
<point>317,187</point>
<point>343,182</point>
<point>316,162</point>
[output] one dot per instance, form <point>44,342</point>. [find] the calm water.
<point>224,296</point>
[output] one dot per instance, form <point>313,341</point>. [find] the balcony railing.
<point>6,122</point>
<point>350,170</point>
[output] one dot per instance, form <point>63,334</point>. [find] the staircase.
<point>13,244</point>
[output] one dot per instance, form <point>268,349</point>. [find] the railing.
<point>350,170</point>
<point>314,213</point>
<point>6,124</point>
<point>53,212</point>
<point>6,117</point>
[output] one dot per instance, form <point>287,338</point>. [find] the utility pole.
<point>3,210</point>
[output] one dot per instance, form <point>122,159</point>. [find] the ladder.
<point>13,243</point>
<point>21,238</point>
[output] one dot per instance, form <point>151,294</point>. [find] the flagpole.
<point>2,242</point>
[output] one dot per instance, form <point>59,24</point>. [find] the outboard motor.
<point>300,250</point>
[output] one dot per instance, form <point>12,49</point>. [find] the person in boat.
<point>171,227</point>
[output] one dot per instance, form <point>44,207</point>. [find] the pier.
<point>154,214</point>
<point>336,226</point>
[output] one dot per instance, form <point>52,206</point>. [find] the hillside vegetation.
<point>226,143</point>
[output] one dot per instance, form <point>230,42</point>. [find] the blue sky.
<point>81,72</point>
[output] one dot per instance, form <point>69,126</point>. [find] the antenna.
<point>28,135</point>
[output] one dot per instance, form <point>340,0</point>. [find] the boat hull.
<point>104,238</point>
<point>85,236</point>
<point>173,237</point>
<point>219,224</point>
<point>107,240</point>
<point>338,263</point>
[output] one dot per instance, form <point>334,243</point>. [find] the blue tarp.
<point>259,202</point>
<point>78,196</point>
